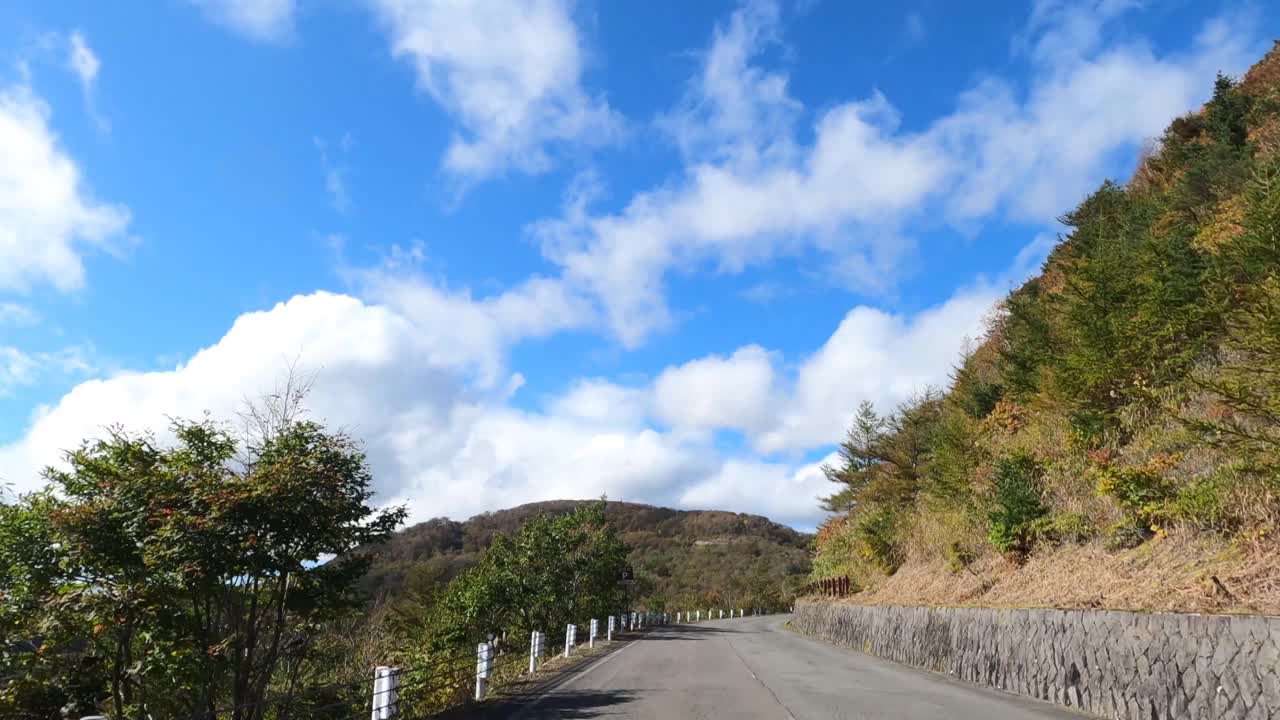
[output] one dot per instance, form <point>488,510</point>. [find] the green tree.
<point>881,459</point>
<point>1018,504</point>
<point>191,570</point>
<point>555,570</point>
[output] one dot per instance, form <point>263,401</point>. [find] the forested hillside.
<point>1115,439</point>
<point>691,557</point>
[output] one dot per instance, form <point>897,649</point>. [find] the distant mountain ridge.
<point>682,556</point>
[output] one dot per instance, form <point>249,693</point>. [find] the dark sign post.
<point>626,579</point>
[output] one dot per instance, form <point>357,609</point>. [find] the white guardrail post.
<point>611,620</point>
<point>591,638</point>
<point>533,652</point>
<point>571,639</point>
<point>385,681</point>
<point>484,662</point>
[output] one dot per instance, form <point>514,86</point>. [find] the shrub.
<point>953,456</point>
<point>1141,492</point>
<point>877,532</point>
<point>1087,429</point>
<point>959,557</point>
<point>1127,534</point>
<point>1006,417</point>
<point>1018,506</point>
<point>1201,503</point>
<point>1067,527</point>
<point>835,548</point>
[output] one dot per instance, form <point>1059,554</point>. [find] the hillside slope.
<point>688,557</point>
<point>1115,439</point>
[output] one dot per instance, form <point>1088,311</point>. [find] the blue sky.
<point>548,249</point>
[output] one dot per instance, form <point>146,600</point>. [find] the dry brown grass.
<point>1264,77</point>
<point>1171,574</point>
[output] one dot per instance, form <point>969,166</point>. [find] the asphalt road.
<point>754,668</point>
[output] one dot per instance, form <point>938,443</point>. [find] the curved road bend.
<point>754,668</point>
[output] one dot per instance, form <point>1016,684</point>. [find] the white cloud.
<point>19,368</point>
<point>1038,155</point>
<point>718,392</point>
<point>782,493</point>
<point>48,219</point>
<point>463,332</point>
<point>419,376</point>
<point>83,61</point>
<point>510,73</point>
<point>16,368</point>
<point>603,404</point>
<point>876,356</point>
<point>854,173</point>
<point>262,20</point>
<point>505,457</point>
<point>19,315</point>
<point>862,188</point>
<point>85,64</point>
<point>734,111</point>
<point>335,173</point>
<point>434,440</point>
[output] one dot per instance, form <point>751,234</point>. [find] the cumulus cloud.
<point>861,189</point>
<point>446,440</point>
<point>783,493</point>
<point>463,332</point>
<point>261,20</point>
<point>873,355</point>
<point>509,72</point>
<point>434,439</point>
<point>603,403</point>
<point>718,392</point>
<point>48,218</point>
<point>877,356</point>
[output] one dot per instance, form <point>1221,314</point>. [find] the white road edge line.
<point>538,700</point>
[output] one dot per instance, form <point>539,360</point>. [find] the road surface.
<point>756,669</point>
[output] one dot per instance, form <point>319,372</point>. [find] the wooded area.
<point>1130,390</point>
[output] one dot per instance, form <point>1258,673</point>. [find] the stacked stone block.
<point>1135,666</point>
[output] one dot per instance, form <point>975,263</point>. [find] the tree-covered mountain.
<point>680,557</point>
<point>1119,426</point>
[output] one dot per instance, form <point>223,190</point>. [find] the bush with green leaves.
<point>878,542</point>
<point>1142,493</point>
<point>177,578</point>
<point>1017,504</point>
<point>555,569</point>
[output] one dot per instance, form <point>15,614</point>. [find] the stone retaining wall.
<point>1136,666</point>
